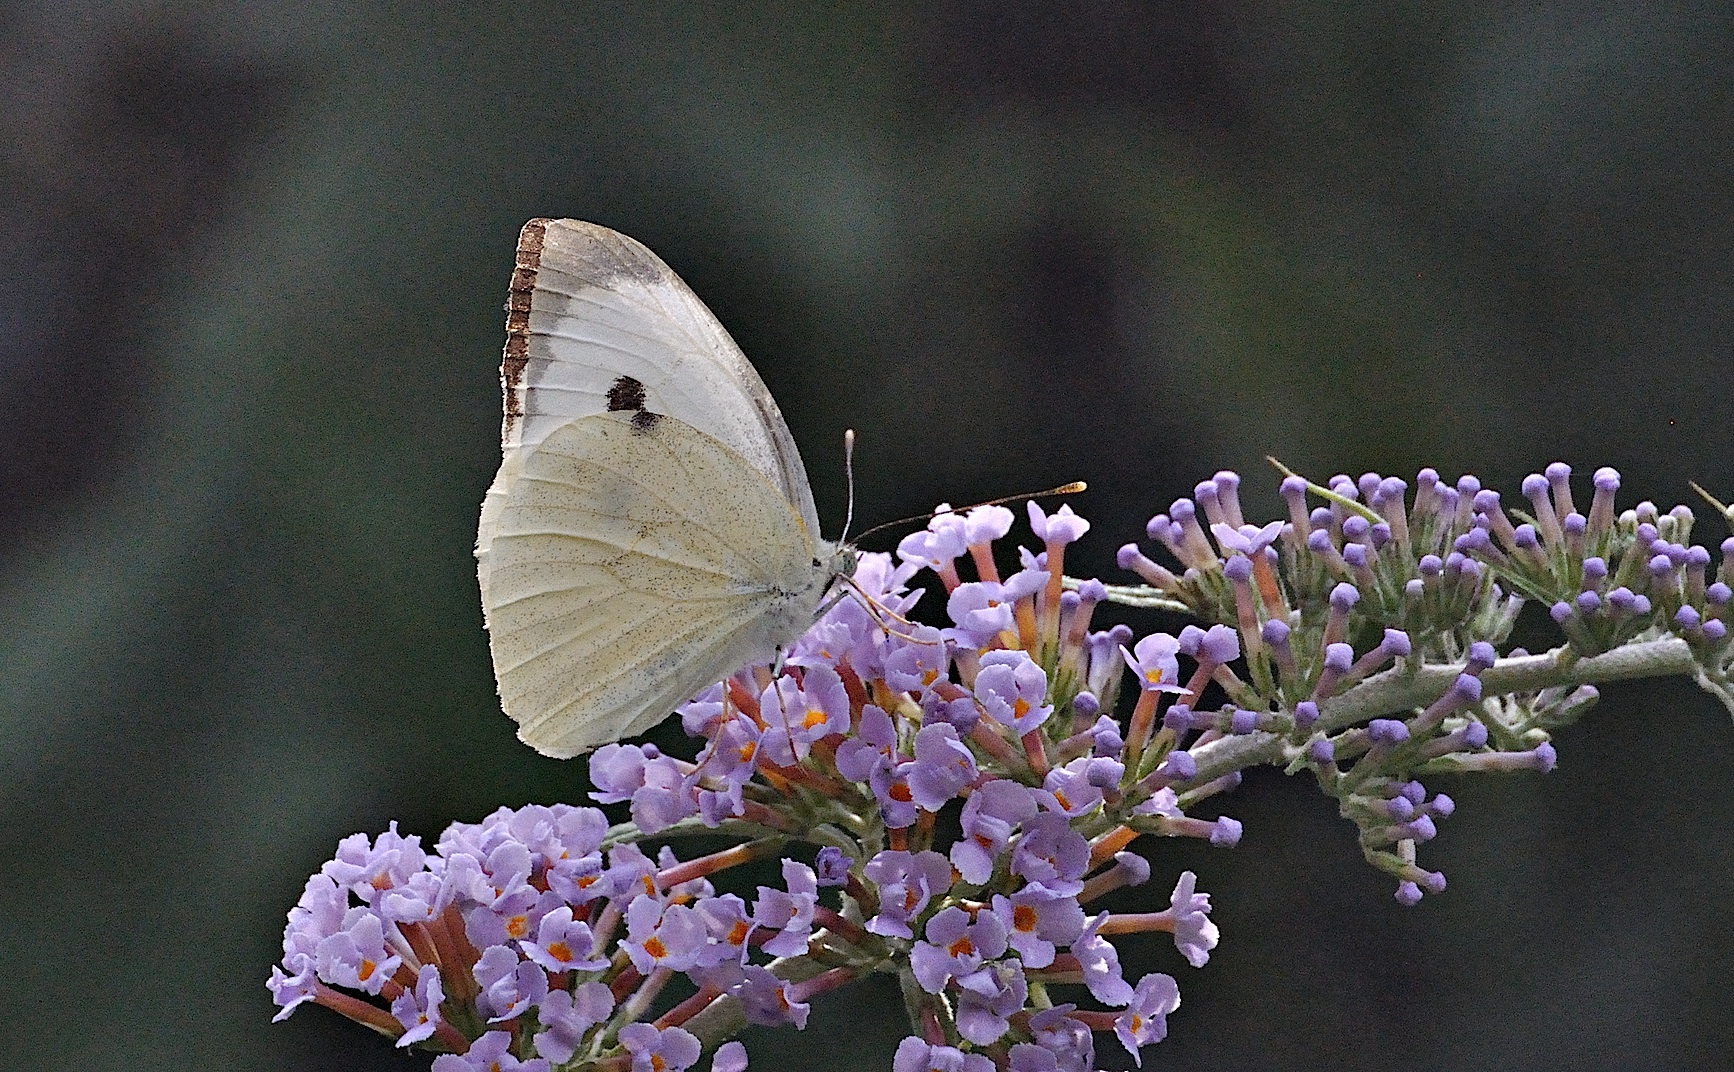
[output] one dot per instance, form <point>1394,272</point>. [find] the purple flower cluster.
<point>950,802</point>
<point>542,939</point>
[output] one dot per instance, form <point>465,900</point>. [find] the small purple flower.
<point>943,766</point>
<point>1066,1037</point>
<point>566,1017</point>
<point>980,612</point>
<point>873,745</point>
<point>1153,662</point>
<point>668,795</point>
<point>663,936</point>
<point>729,924</point>
<point>955,947</point>
<point>1011,688</point>
<point>796,715</point>
<point>987,1000</point>
<point>1247,540</point>
<point>768,1001</point>
<point>1194,934</point>
<point>357,956</point>
<point>1052,853</point>
<point>490,1053</point>
<point>1077,787</point>
<point>1101,965</point>
<point>418,1008</point>
<point>732,752</point>
<point>366,868</point>
<point>671,1049</point>
<point>984,524</point>
<point>789,913</point>
<point>509,985</point>
<point>1145,1020</point>
<point>563,944</point>
<point>617,771</point>
<point>906,882</point>
<point>917,660</point>
<point>988,818</point>
<point>831,866</point>
<point>730,1057</point>
<point>916,1055</point>
<point>1060,527</point>
<point>1036,920</point>
<point>291,989</point>
<point>940,544</point>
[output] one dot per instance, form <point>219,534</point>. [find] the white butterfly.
<point>651,529</point>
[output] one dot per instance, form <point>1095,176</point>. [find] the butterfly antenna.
<point>1064,489</point>
<point>848,475</point>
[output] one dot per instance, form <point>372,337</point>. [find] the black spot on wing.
<point>624,394</point>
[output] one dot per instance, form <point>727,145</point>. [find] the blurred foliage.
<point>255,261</point>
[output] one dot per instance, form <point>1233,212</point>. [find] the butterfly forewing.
<point>635,560</point>
<point>592,314</point>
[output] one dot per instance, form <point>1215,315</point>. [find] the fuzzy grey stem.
<point>1398,691</point>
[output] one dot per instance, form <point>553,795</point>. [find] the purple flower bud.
<point>1180,766</point>
<point>1714,630</point>
<point>1431,565</point>
<point>1344,596</point>
<point>1687,618</point>
<point>1387,730</point>
<point>1443,805</point>
<point>831,866</point>
<point>1474,736</point>
<point>1305,714</point>
<point>1408,894</point>
<point>1242,722</point>
<point>1339,657</point>
<point>1587,602</point>
<point>1238,569</point>
<point>1226,833</point>
<point>1545,757</point>
<point>1322,751</point>
<point>1481,656</point>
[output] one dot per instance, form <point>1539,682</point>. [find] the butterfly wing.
<point>597,322</point>
<point>636,560</point>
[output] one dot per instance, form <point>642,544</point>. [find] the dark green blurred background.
<point>250,318</point>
